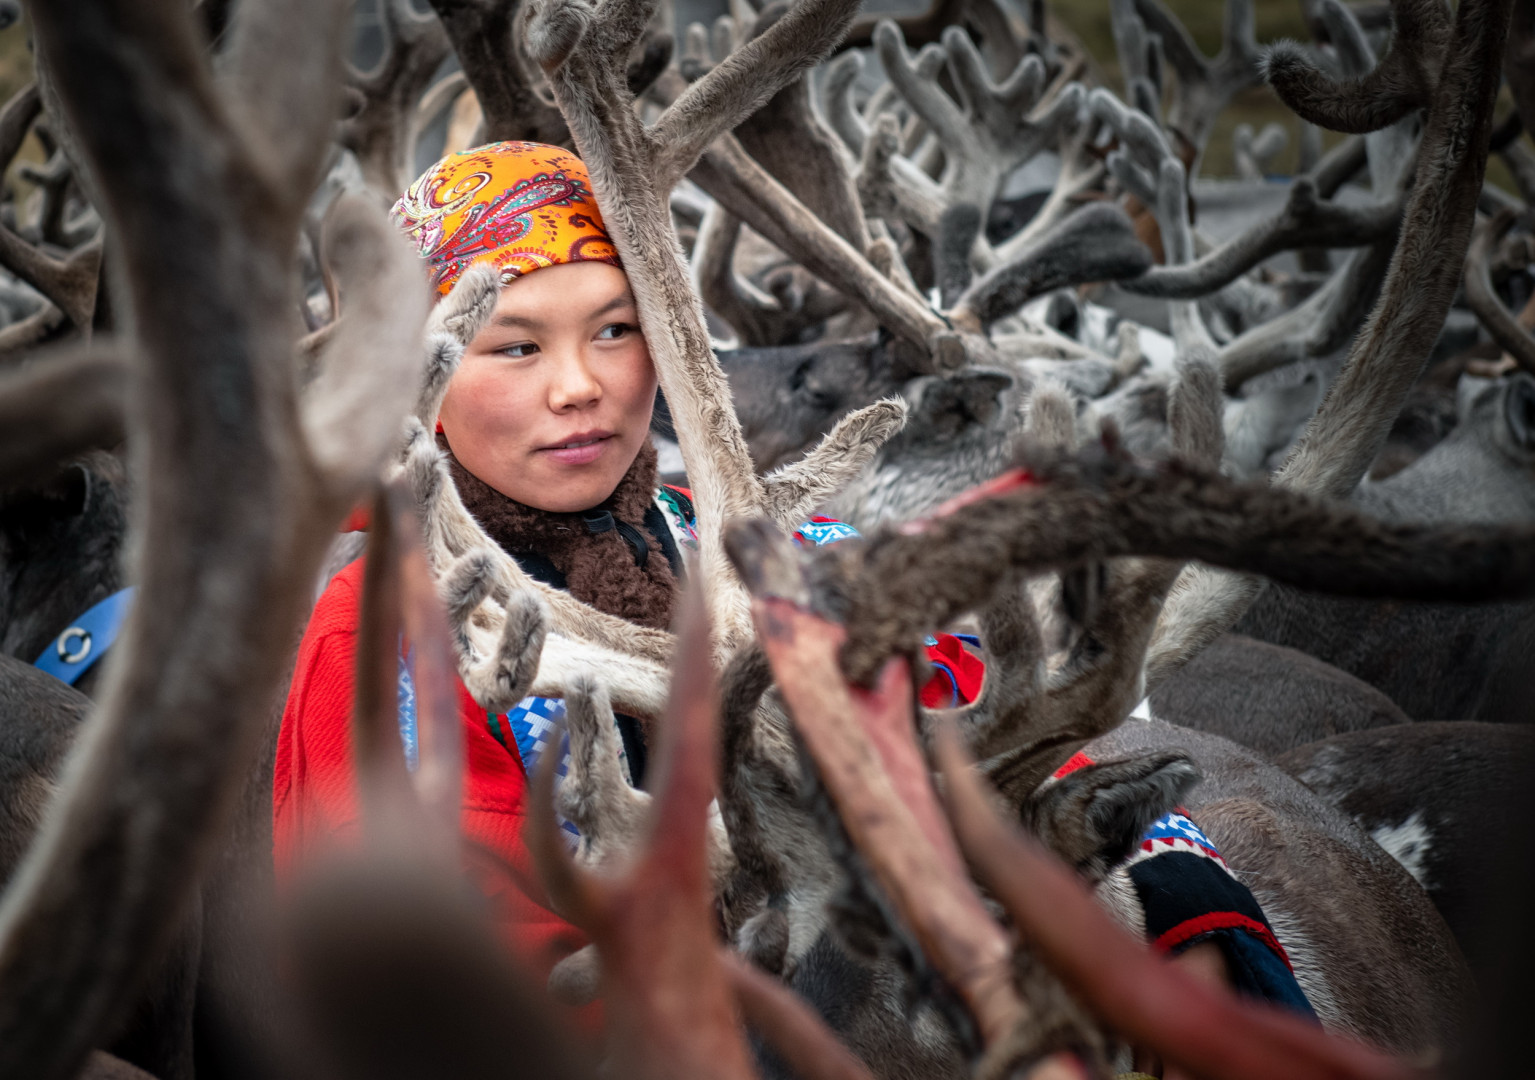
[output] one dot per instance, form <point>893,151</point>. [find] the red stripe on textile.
<point>1001,485</point>
<point>1150,843</point>
<point>1221,920</point>
<point>1077,761</point>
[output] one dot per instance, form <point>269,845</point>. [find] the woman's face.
<point>552,400</point>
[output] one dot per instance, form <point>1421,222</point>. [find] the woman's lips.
<point>581,450</point>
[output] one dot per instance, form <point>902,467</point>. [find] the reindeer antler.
<point>633,170</point>
<point>1000,133</point>
<point>70,282</point>
<point>1204,85</point>
<point>1061,517</point>
<point>653,925</point>
<point>1407,77</point>
<point>1349,428</point>
<point>53,409</point>
<point>228,473</point>
<point>485,37</point>
<point>1483,298</point>
<point>382,133</point>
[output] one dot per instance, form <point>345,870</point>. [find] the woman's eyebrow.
<point>622,300</point>
<point>529,322</point>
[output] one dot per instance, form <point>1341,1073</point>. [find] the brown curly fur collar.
<point>599,569</point>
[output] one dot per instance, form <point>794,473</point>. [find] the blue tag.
<point>76,650</point>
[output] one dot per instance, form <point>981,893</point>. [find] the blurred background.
<point>1086,20</point>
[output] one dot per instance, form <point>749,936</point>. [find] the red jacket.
<point>314,795</point>
<point>314,798</point>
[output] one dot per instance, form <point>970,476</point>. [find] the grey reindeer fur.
<point>1480,473</point>
<point>1440,798</point>
<point>1269,698</point>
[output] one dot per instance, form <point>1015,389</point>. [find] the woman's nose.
<point>572,385</point>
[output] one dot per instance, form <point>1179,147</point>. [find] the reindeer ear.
<point>1094,817</point>
<point>64,494</point>
<point>1519,411</point>
<point>949,404</point>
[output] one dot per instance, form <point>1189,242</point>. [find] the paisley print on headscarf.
<point>517,206</point>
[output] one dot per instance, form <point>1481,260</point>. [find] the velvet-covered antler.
<point>1483,297</point>
<point>1146,165</point>
<point>1067,513</point>
<point>231,477</point>
<point>1007,123</point>
<point>941,340</point>
<point>1407,77</point>
<point>486,36</point>
<point>382,132</point>
<point>1387,356</point>
<point>69,281</point>
<point>1203,85</point>
<point>583,48</point>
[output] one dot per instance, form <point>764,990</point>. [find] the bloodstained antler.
<point>865,752</point>
<point>1067,513</point>
<point>387,930</point>
<point>400,605</point>
<point>667,984</point>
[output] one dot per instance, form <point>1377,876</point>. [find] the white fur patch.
<point>1407,843</point>
<point>1143,710</point>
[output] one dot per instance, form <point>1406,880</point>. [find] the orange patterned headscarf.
<point>516,206</point>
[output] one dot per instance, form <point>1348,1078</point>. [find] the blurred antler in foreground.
<point>204,186</point>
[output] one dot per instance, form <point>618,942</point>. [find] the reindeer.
<point>1270,698</point>
<point>298,469</point>
<point>1429,794</point>
<point>1478,473</point>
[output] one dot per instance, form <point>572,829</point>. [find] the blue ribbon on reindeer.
<point>87,639</point>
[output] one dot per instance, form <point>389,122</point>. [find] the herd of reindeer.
<point>1234,480</point>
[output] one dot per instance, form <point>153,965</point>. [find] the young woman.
<point>546,425</point>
